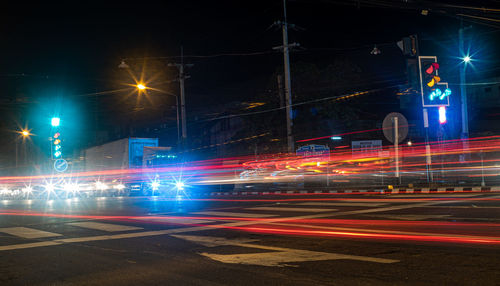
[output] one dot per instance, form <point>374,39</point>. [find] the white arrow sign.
<point>278,257</point>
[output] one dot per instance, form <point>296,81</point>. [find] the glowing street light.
<point>466,59</point>
<point>25,133</point>
<point>140,86</point>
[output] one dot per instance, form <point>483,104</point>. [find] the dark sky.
<point>52,52</point>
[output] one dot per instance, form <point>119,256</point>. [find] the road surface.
<point>336,239</point>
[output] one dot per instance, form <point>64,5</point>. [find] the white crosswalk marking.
<point>104,226</point>
<point>291,209</point>
<point>230,214</point>
<point>25,232</point>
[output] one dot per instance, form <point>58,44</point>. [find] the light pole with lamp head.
<point>142,87</point>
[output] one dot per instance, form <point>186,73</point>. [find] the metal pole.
<point>288,90</point>
<point>17,147</point>
<point>183,103</point>
<point>396,147</point>
<point>463,88</point>
<point>482,169</point>
<point>178,128</point>
<point>428,159</point>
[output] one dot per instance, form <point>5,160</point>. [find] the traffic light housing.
<point>56,148</point>
<point>434,92</point>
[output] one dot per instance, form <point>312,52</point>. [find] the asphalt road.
<point>337,239</point>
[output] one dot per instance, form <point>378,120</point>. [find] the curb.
<point>365,191</point>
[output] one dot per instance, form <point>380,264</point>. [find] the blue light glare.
<point>179,185</point>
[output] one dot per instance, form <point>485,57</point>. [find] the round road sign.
<point>60,165</point>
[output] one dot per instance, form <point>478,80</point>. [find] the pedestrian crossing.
<point>104,226</point>
<point>26,232</point>
<point>34,233</point>
<point>69,232</point>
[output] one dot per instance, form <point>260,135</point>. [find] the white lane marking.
<point>176,220</point>
<point>25,232</point>
<point>279,257</point>
<point>412,217</point>
<point>104,226</point>
<point>230,214</point>
<point>28,245</point>
<point>288,209</point>
<point>341,204</point>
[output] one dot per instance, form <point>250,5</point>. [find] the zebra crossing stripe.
<point>104,226</point>
<point>26,232</point>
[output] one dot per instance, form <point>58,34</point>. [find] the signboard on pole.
<point>366,146</point>
<point>313,150</point>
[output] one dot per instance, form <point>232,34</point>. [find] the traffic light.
<point>56,146</point>
<point>434,92</point>
<point>55,121</point>
<point>442,115</point>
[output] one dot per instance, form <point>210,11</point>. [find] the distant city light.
<point>410,143</point>
<point>336,138</point>
<point>466,59</point>
<point>101,186</point>
<point>155,185</point>
<point>179,185</point>
<point>55,121</point>
<point>25,133</point>
<point>49,188</point>
<point>140,86</point>
<point>120,187</point>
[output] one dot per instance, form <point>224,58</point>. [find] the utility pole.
<point>182,76</point>
<point>288,87</point>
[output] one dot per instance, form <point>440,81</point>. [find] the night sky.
<point>54,55</point>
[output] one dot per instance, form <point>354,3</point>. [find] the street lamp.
<point>466,59</point>
<point>141,87</point>
<point>25,133</point>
